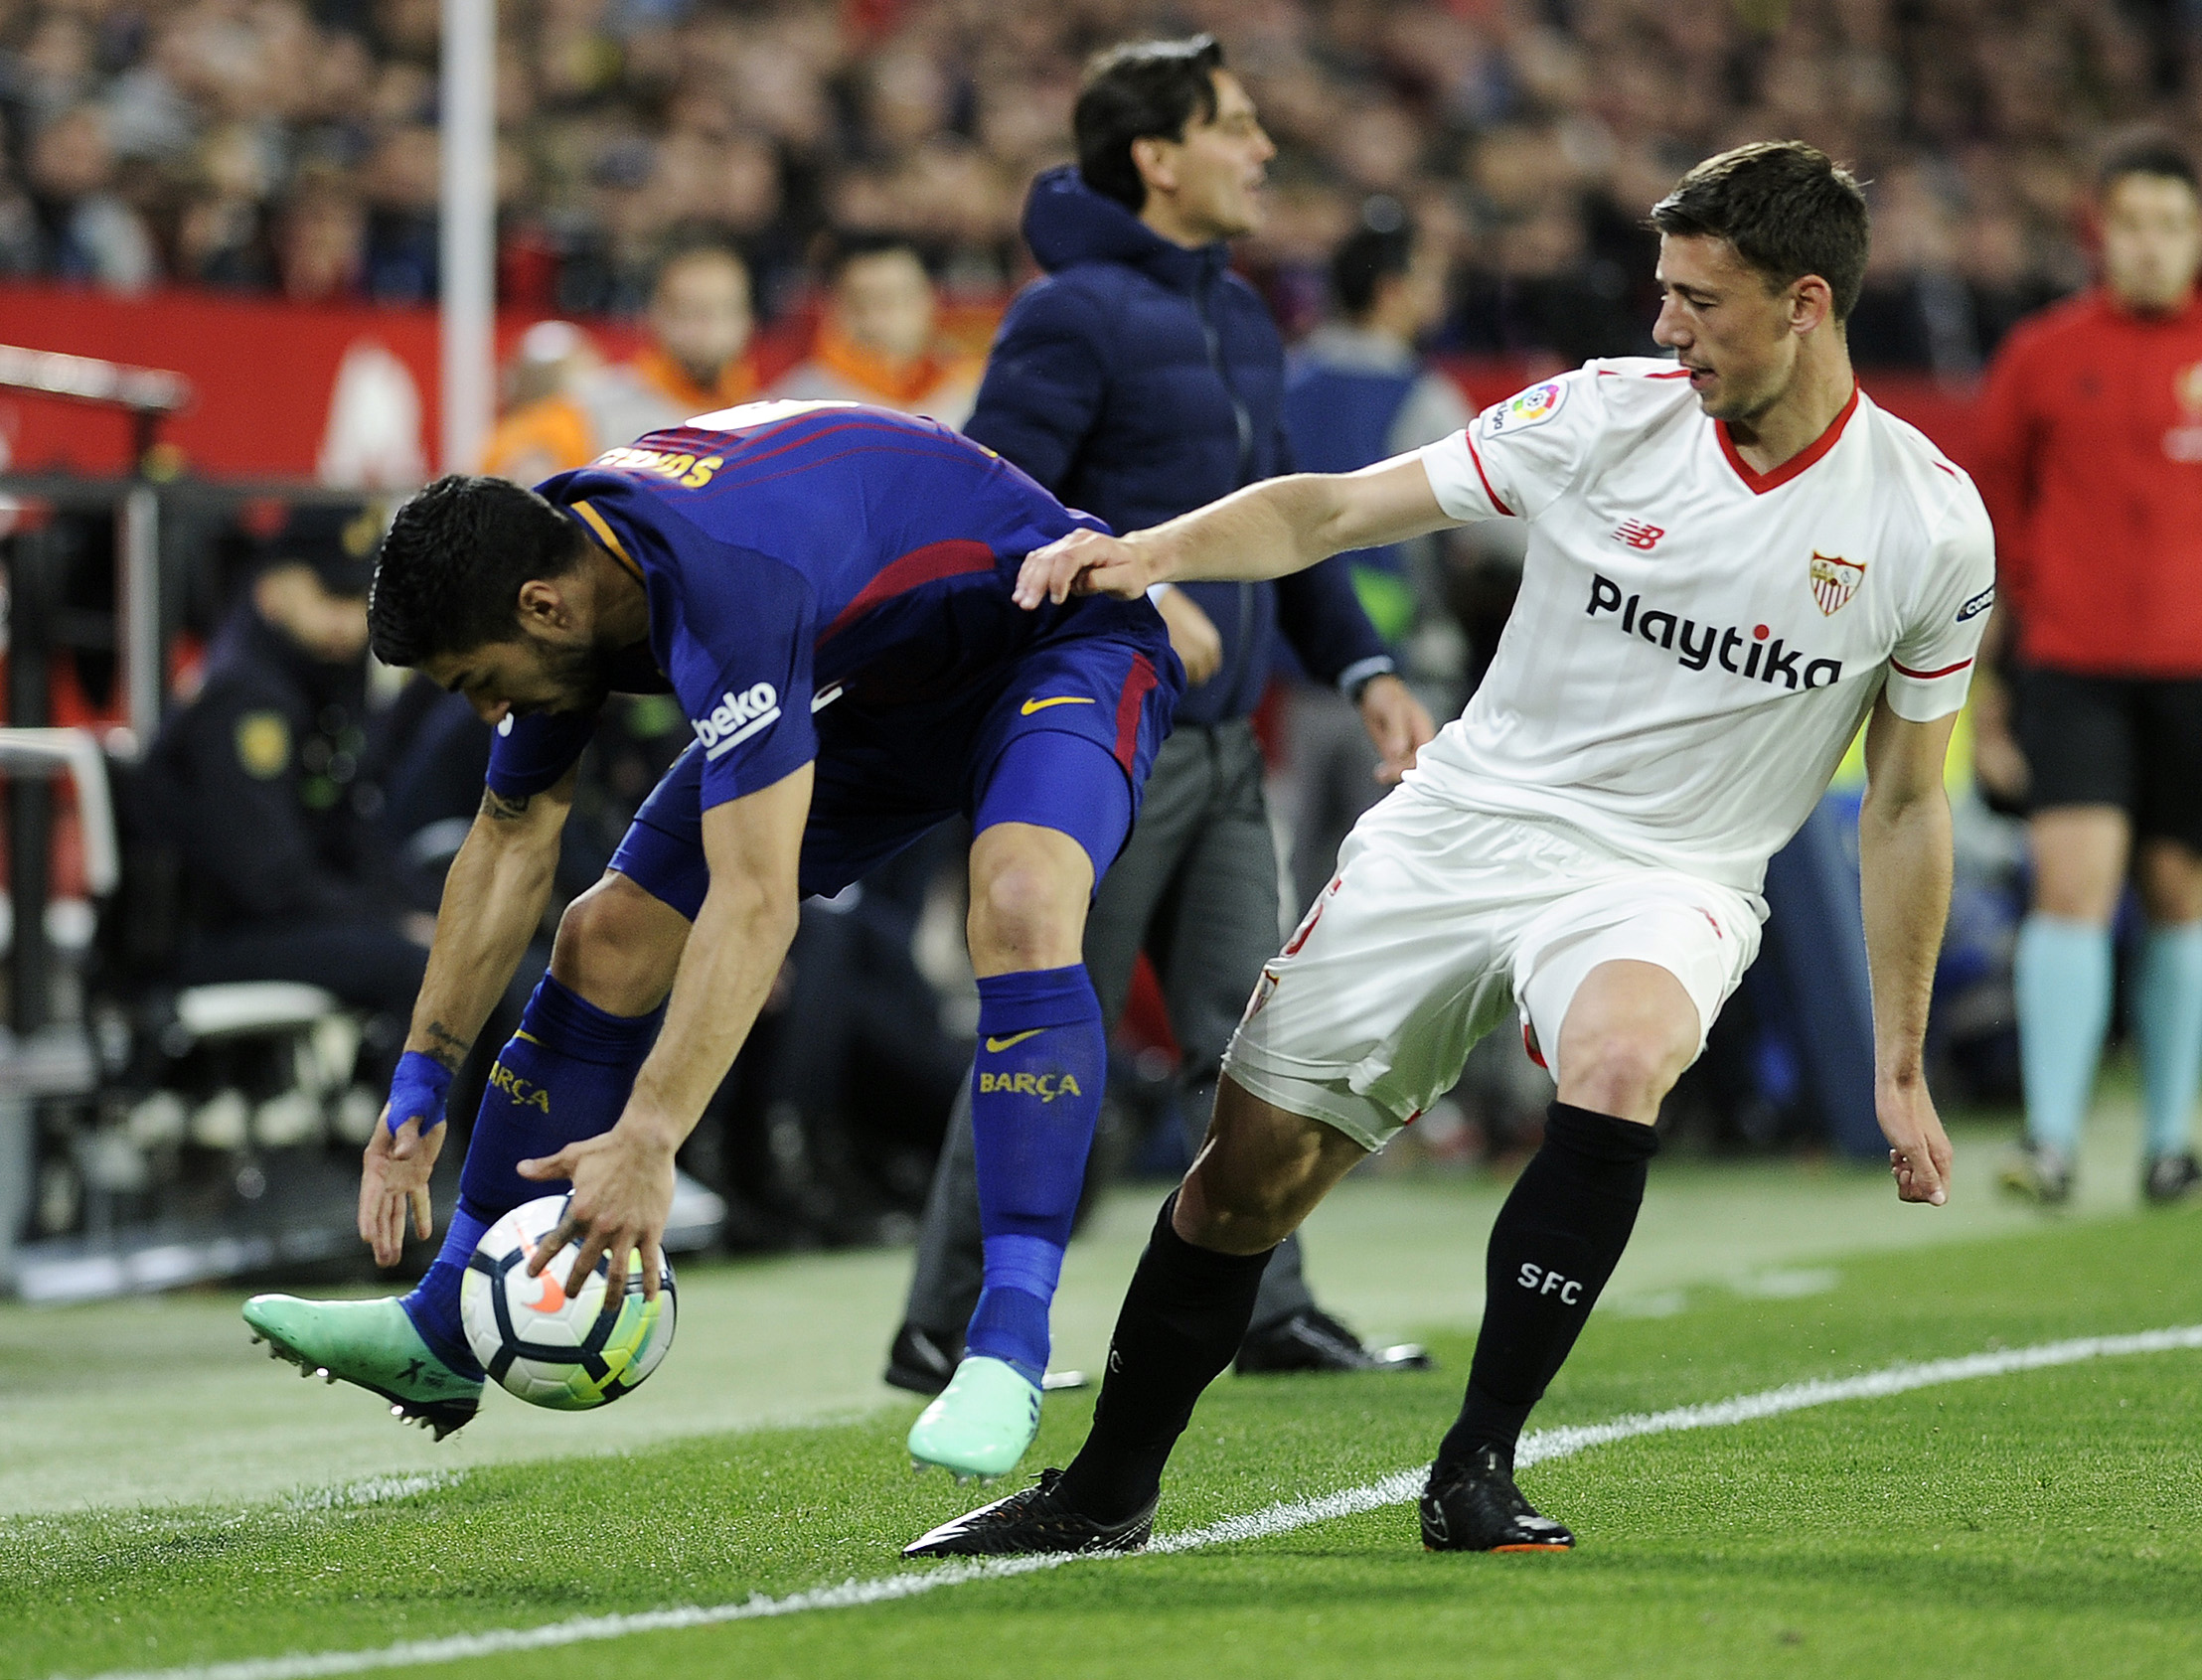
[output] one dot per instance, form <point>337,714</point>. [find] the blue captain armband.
<point>417,1088</point>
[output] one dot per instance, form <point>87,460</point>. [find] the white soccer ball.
<point>549,1349</point>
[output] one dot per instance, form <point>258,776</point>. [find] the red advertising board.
<point>264,374</point>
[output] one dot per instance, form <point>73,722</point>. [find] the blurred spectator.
<point>700,322</point>
<point>552,358</point>
<point>87,232</point>
<point>401,184</point>
<point>626,124</point>
<point>321,242</point>
<point>876,340</point>
<point>221,239</point>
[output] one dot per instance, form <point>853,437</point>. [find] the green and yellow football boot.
<point>372,1344</point>
<point>981,1423</point>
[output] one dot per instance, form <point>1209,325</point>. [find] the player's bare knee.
<point>618,946</point>
<point>1025,916</point>
<point>1621,1071</point>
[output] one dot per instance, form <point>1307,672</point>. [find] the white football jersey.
<point>1695,644</point>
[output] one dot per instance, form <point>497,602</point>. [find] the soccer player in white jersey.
<point>1735,560</point>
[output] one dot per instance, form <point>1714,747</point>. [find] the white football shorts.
<point>1440,919</point>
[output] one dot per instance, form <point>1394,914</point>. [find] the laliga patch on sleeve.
<point>1531,408</point>
<point>1977,605</point>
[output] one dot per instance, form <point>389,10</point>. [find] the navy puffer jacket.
<point>1140,380</point>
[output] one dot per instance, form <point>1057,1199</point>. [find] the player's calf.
<point>1035,1094</point>
<point>1261,1172</point>
<point>1552,1247</point>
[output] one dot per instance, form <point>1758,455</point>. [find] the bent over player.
<point>1734,561</point>
<point>825,589</point>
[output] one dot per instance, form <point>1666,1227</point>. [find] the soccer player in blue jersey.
<point>825,589</point>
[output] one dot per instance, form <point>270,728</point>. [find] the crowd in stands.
<point>289,147</point>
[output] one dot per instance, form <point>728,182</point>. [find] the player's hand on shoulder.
<point>394,1182</point>
<point>1085,562</point>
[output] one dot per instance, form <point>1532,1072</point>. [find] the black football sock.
<point>1554,1244</point>
<point>1183,1321</point>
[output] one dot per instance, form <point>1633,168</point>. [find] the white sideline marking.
<point>1399,1488</point>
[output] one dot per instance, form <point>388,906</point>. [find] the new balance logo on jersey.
<point>736,717</point>
<point>1638,535</point>
<point>1697,646</point>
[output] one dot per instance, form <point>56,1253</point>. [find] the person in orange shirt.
<point>2091,464</point>
<point>876,342</point>
<point>698,361</point>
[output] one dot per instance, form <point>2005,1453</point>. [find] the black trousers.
<point>1196,889</point>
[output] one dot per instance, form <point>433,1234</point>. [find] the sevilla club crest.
<point>1836,580</point>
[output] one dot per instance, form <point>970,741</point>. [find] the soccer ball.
<point>565,1352</point>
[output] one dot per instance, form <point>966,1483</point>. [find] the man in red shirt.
<point>2092,467</point>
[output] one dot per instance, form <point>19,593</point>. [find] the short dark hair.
<point>1788,208</point>
<point>2146,154</point>
<point>1140,90</point>
<point>448,580</point>
<point>1381,248</point>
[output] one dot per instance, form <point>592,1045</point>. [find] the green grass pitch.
<point>2047,1522</point>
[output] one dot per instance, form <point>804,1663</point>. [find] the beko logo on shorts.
<point>736,717</point>
<point>1701,644</point>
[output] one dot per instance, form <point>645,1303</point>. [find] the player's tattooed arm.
<point>1268,529</point>
<point>494,897</point>
<point>446,1048</point>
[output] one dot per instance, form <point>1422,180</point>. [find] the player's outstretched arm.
<point>493,901</point>
<point>623,1179</point>
<point>1268,529</point>
<point>1904,862</point>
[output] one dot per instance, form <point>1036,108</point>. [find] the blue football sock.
<point>2062,977</point>
<point>564,1076</point>
<point>1035,1094</point>
<point>2167,1014</point>
<point>433,1305</point>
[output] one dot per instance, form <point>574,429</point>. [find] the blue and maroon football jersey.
<point>800,556</point>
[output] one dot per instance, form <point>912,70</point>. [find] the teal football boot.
<point>372,1344</point>
<point>981,1423</point>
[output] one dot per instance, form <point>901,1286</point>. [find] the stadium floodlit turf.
<point>2040,1522</point>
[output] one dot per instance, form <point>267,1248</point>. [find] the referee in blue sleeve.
<point>1139,380</point>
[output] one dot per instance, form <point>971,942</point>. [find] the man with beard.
<point>826,588</point>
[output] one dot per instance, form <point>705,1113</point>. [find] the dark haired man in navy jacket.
<point>1139,380</point>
